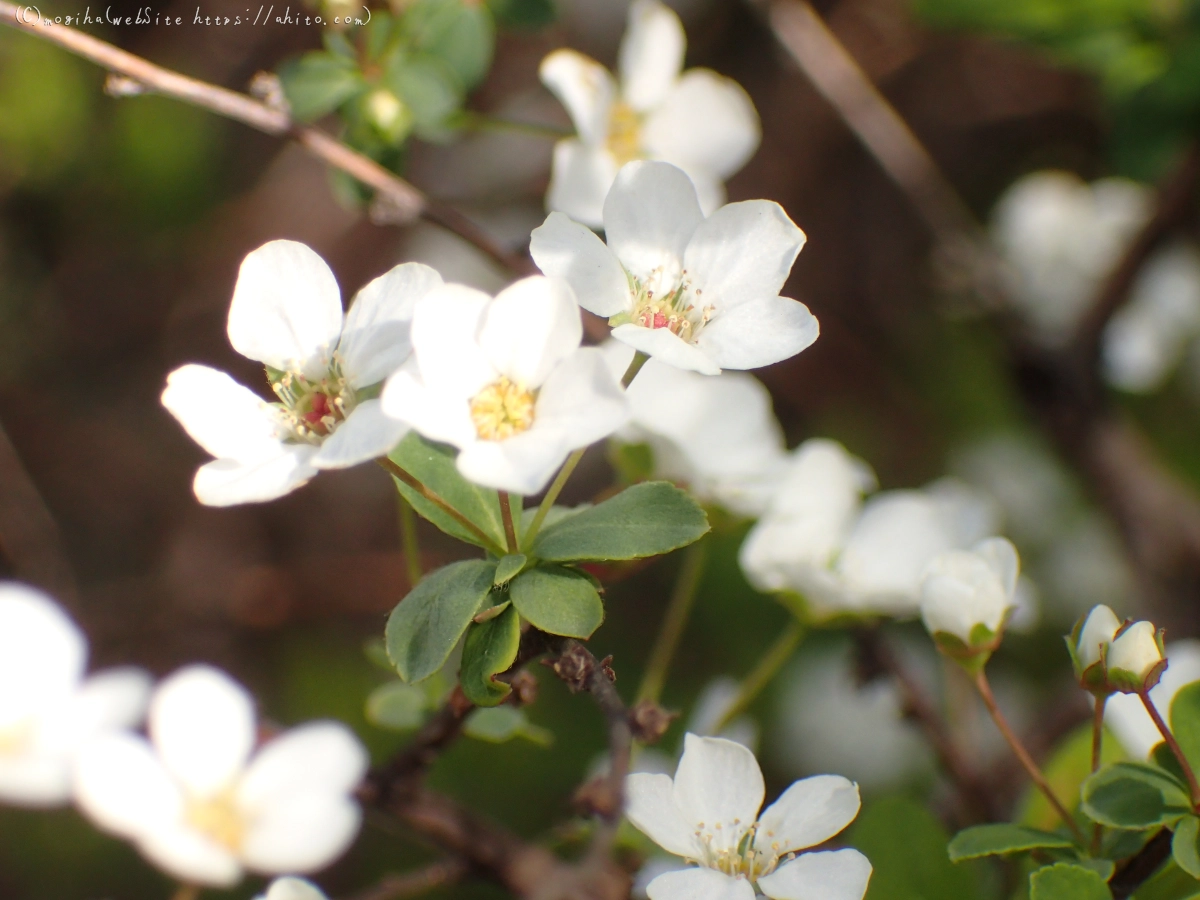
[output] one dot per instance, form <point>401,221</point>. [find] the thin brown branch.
<point>1139,867</point>
<point>412,884</point>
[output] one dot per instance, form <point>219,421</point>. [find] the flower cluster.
<point>1113,656</point>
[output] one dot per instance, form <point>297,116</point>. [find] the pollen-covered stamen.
<point>502,409</point>
<point>624,133</point>
<point>313,409</point>
<point>217,817</point>
<point>666,300</point>
<point>735,849</point>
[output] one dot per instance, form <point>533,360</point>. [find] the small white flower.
<point>964,591</point>
<point>505,380</point>
<point>1136,650</point>
<point>290,888</point>
<point>1097,633</point>
<point>698,120</point>
<point>323,367</point>
<point>47,709</point>
<point>709,815</point>
<point>698,293</point>
<point>717,434</point>
<point>201,804</point>
<point>1127,718</point>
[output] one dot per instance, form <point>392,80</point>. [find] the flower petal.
<point>580,178</point>
<point>438,415</point>
<point>650,215</point>
<point>191,856</point>
<point>302,834</point>
<point>228,420</point>
<point>719,783</point>
<point>445,336</point>
<point>758,333</point>
<point>743,252</point>
<point>710,189</point>
<point>522,464</point>
<point>42,654</point>
<point>375,338</point>
<point>366,434</point>
<point>829,875</point>
<point>650,806</point>
<point>121,785</point>
<point>651,55</point>
<point>108,701</point>
<point>809,812</point>
<point>292,889</point>
<point>585,88</point>
<point>667,347</point>
<point>529,328</point>
<point>286,310</point>
<point>317,758</point>
<point>35,780</point>
<point>226,482</point>
<point>202,723</point>
<point>707,122</point>
<point>582,399</point>
<point>565,249</point>
<point>699,884</point>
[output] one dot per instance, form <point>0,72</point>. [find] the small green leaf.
<point>1185,722</point>
<point>644,520</point>
<point>558,601</point>
<point>525,14</point>
<point>1064,881</point>
<point>489,649</point>
<point>490,612</point>
<point>462,35</point>
<point>428,88</point>
<point>376,651</point>
<point>1134,795</point>
<point>318,83</point>
<point>509,567</point>
<point>1184,848</point>
<point>499,724</point>
<point>397,706</point>
<point>424,627</point>
<point>1001,838</point>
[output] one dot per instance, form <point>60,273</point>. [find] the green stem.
<point>510,533</point>
<point>635,366</point>
<point>1188,773</point>
<point>1097,751</point>
<point>753,684</point>
<point>477,122</point>
<point>402,475</point>
<point>674,622</point>
<point>410,542</point>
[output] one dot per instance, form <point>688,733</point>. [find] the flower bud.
<point>1135,658</point>
<point>1098,630</point>
<point>389,114</point>
<point>967,595</point>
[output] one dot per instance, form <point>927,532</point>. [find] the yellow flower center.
<point>217,817</point>
<point>624,133</point>
<point>14,737</point>
<point>502,409</point>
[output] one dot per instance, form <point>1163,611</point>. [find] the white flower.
<point>700,121</point>
<point>292,889</point>
<point>698,293</point>
<point>323,367</point>
<point>1127,718</point>
<point>963,591</point>
<point>717,434</point>
<point>506,382</point>
<point>1136,650</point>
<point>201,804</point>
<point>47,709</point>
<point>709,815</point>
<point>1096,634</point>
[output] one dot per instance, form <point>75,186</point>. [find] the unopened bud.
<point>1135,659</point>
<point>389,114</point>
<point>967,595</point>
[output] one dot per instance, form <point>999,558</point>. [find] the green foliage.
<point>558,601</point>
<point>644,520</point>
<point>426,625</point>
<point>1068,767</point>
<point>1185,722</point>
<point>1000,839</point>
<point>1184,849</point>
<point>1064,881</point>
<point>524,14</point>
<point>499,724</point>
<point>509,566</point>
<point>490,648</point>
<point>458,34</point>
<point>319,82</point>
<point>396,706</point>
<point>1134,796</point>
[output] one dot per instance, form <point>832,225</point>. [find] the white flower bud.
<point>1136,650</point>
<point>965,589</point>
<point>1097,632</point>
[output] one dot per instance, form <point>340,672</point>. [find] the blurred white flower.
<point>287,314</point>
<point>201,804</point>
<point>47,709</point>
<point>1127,718</point>
<point>697,293</point>
<point>290,888</point>
<point>1087,564</point>
<point>1147,337</point>
<point>1096,635</point>
<point>966,592</point>
<point>505,380</point>
<point>714,702</point>
<point>717,434</point>
<point>1061,238</point>
<point>1135,652</point>
<point>709,815</point>
<point>699,121</point>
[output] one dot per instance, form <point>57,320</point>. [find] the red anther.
<point>660,320</point>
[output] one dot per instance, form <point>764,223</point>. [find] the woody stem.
<point>1193,787</point>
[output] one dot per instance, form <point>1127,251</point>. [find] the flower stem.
<point>1097,749</point>
<point>752,685</point>
<point>510,533</point>
<point>1018,749</point>
<point>1193,787</point>
<point>186,892</point>
<point>410,541</point>
<point>635,366</point>
<point>675,620</point>
<point>476,122</point>
<point>401,475</point>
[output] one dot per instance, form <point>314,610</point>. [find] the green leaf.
<point>1067,768</point>
<point>428,88</point>
<point>489,649</point>
<point>1064,881</point>
<point>1134,795</point>
<point>1001,838</point>
<point>433,465</point>
<point>425,625</point>
<point>499,724</point>
<point>509,567</point>
<point>1184,849</point>
<point>462,35</point>
<point>318,83</point>
<point>644,520</point>
<point>1185,722</point>
<point>397,706</point>
<point>525,14</point>
<point>558,601</point>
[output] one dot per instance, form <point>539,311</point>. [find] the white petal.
<point>650,216</point>
<point>522,464</point>
<point>582,399</point>
<point>667,348</point>
<point>580,179</point>
<point>699,884</point>
<point>1126,715</point>
<point>303,834</point>
<point>292,889</point>
<point>650,806</point>
<point>808,813</point>
<point>438,415</point>
<point>375,338</point>
<point>286,310</point>
<point>707,122</point>
<point>651,55</point>
<point>191,856</point>
<point>529,328</point>
<point>720,784</point>
<point>226,482</point>
<point>743,252</point>
<point>202,724</point>
<point>121,785</point>
<point>35,780</point>
<point>1001,557</point>
<point>318,758</point>
<point>565,249</point>
<point>226,419</point>
<point>584,87</point>
<point>445,336</point>
<point>759,333</point>
<point>42,654</point>
<point>710,189</point>
<point>109,701</point>
<point>366,434</point>
<point>829,875</point>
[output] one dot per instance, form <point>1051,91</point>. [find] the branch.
<point>1139,867</point>
<point>394,887</point>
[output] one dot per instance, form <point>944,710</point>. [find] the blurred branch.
<point>397,201</point>
<point>1139,867</point>
<point>411,884</point>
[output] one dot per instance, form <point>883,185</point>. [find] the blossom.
<point>969,594</point>
<point>698,293</point>
<point>698,120</point>
<point>709,815</point>
<point>290,888</point>
<point>47,709</point>
<point>1095,636</point>
<point>323,367</point>
<point>1135,658</point>
<point>1127,718</point>
<point>505,380</point>
<point>717,434</point>
<point>201,804</point>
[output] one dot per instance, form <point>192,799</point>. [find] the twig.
<point>1173,744</point>
<point>510,532</point>
<point>674,621</point>
<point>410,884</point>
<point>1139,867</point>
<point>1101,700</point>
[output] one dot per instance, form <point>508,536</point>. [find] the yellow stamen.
<point>219,818</point>
<point>624,133</point>
<point>502,409</point>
